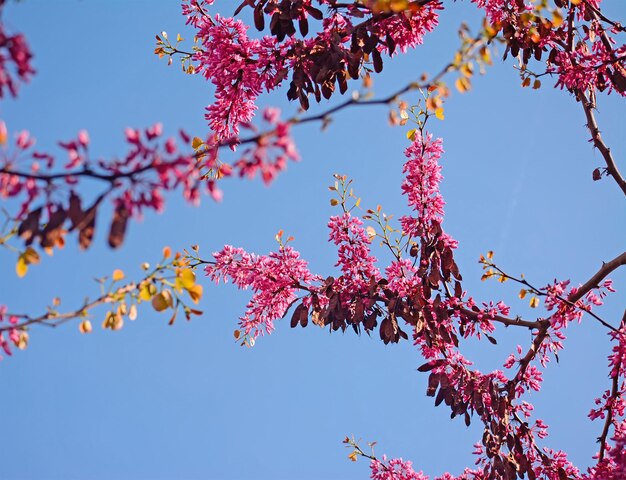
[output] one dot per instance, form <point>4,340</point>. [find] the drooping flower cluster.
<point>273,278</point>
<point>241,67</point>
<point>15,62</point>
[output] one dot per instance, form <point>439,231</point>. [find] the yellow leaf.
<point>334,202</point>
<point>187,278</point>
<point>196,143</point>
<point>179,38</point>
<point>118,275</point>
<point>534,302</point>
<point>411,134</point>
<point>522,294</point>
<point>439,113</point>
<point>353,456</point>
<point>463,84</point>
<point>147,291</point>
<point>85,326</point>
<point>536,84</point>
<point>467,69</point>
<point>21,267</point>
<point>485,55</point>
<point>557,19</point>
<point>195,293</point>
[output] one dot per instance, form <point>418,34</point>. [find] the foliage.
<point>314,50</point>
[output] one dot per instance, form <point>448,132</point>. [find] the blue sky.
<point>186,402</point>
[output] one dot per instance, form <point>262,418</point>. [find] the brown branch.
<point>58,318</point>
<point>517,321</point>
<point>592,125</point>
<point>594,282</point>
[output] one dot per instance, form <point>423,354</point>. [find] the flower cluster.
<point>241,67</point>
<point>273,278</point>
<point>394,469</point>
<point>16,337</point>
<point>421,185</point>
<point>15,62</point>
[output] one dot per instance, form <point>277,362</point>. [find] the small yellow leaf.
<point>85,326</point>
<point>411,134</point>
<point>522,293</point>
<point>353,456</point>
<point>144,293</point>
<point>187,278</point>
<point>118,275</point>
<point>439,113</point>
<point>537,84</point>
<point>534,302</point>
<point>195,293</point>
<point>21,267</point>
<point>463,84</point>
<point>196,143</point>
<point>179,38</point>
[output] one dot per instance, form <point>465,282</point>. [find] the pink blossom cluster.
<point>273,278</point>
<point>240,67</point>
<point>13,336</point>
<point>394,469</point>
<point>421,185</point>
<point>15,62</point>
<point>613,465</point>
<point>590,65</point>
<point>407,31</point>
<point>272,150</point>
<point>355,260</point>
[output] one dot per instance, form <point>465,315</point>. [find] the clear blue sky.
<point>186,402</point>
